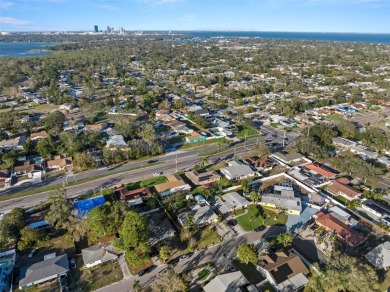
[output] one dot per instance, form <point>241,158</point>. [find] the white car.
<point>157,173</point>
<point>31,254</point>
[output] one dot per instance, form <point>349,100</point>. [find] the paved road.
<point>213,254</point>
<point>185,159</point>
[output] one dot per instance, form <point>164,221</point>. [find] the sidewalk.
<point>124,267</point>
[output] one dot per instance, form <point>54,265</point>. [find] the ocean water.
<point>313,36</point>
<point>24,49</point>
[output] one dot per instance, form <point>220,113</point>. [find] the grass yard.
<point>203,274</point>
<point>335,117</point>
<point>274,217</point>
<point>341,199</point>
<point>200,144</point>
<point>246,131</point>
<point>206,237</point>
<point>46,108</point>
<point>198,191</point>
<point>149,182</point>
<point>251,219</point>
<point>83,279</point>
<point>249,271</point>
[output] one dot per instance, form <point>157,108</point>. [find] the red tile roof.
<point>320,170</point>
<point>337,187</point>
<point>342,230</point>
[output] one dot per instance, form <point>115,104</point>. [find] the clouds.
<point>107,7</point>
<point>12,20</point>
<point>5,4</point>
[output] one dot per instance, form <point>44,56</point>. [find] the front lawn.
<point>254,218</point>
<point>149,182</point>
<point>206,237</point>
<point>83,279</point>
<point>249,271</point>
<point>248,132</point>
<point>274,217</point>
<point>251,219</point>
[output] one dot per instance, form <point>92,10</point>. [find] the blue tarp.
<point>83,207</point>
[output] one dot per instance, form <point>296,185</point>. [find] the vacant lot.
<point>206,237</point>
<point>244,131</point>
<point>83,279</point>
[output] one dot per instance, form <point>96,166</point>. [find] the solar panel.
<point>281,273</point>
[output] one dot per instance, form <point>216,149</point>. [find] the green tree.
<point>168,281</point>
<point>255,197</point>
<point>28,237</point>
<point>59,210</point>
<point>45,147</point>
<point>246,253</point>
<point>136,286</point>
<point>83,162</point>
<point>28,146</point>
<point>11,224</point>
<point>189,221</point>
<point>354,204</point>
<point>261,150</point>
<point>54,123</point>
<point>99,223</point>
<point>165,253</point>
<point>285,239</point>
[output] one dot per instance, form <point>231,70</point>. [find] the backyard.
<point>83,279</point>
<point>254,217</point>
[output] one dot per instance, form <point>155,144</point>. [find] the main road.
<point>131,172</point>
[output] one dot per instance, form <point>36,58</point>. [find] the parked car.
<point>260,228</point>
<point>31,254</point>
<point>72,263</point>
<point>152,161</point>
<point>185,256</point>
<point>232,222</point>
<point>157,173</point>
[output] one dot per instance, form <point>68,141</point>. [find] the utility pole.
<point>284,135</point>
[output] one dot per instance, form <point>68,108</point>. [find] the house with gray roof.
<point>202,215</point>
<point>288,158</point>
<point>343,143</point>
<point>231,201</point>
<point>97,255</point>
<point>230,282</point>
<point>379,257</point>
<point>283,198</point>
<point>364,152</point>
<point>48,269</point>
<point>238,171</point>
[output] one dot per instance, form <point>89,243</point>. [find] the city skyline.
<point>359,16</point>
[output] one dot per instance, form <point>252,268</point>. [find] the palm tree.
<point>136,286</point>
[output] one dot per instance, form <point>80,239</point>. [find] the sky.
<point>359,16</point>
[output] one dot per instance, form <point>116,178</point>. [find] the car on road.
<point>171,149</point>
<point>216,159</point>
<point>260,228</point>
<point>153,161</point>
<point>158,173</point>
<point>185,256</point>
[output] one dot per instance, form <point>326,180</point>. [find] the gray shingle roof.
<point>230,282</point>
<point>49,268</point>
<point>97,253</point>
<point>380,256</point>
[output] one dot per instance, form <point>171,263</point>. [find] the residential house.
<point>289,158</point>
<point>116,141</point>
<point>343,143</point>
<point>195,137</point>
<point>202,178</point>
<point>52,267</point>
<point>237,171</point>
<point>284,270</point>
<point>5,178</point>
<point>60,162</point>
<point>97,255</point>
<point>226,283</point>
<point>263,163</point>
<point>203,215</point>
<point>376,207</point>
<point>7,263</point>
<point>174,184</point>
<point>230,202</point>
<point>285,201</point>
<point>384,160</point>
<point>26,167</point>
<point>95,128</point>
<point>133,197</point>
<point>339,187</point>
<point>38,135</point>
<point>342,230</point>
<point>159,228</point>
<point>379,257</point>
<point>316,168</point>
<point>316,199</point>
<point>15,143</point>
<point>364,152</point>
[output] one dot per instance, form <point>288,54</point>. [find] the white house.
<point>238,171</point>
<point>97,255</point>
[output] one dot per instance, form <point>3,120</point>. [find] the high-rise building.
<point>96,28</point>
